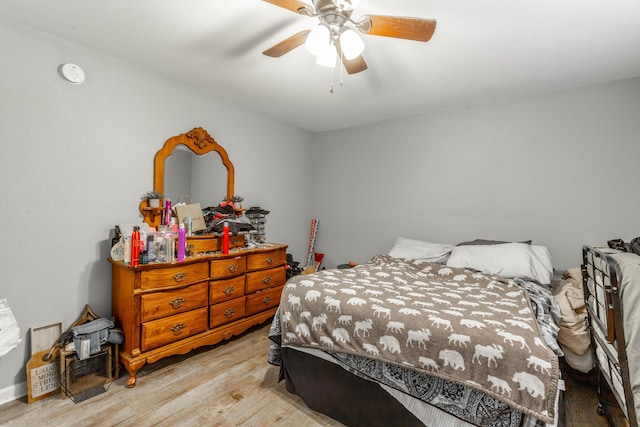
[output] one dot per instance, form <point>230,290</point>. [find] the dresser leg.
<point>131,382</point>
<point>132,368</point>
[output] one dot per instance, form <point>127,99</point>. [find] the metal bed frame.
<point>601,281</point>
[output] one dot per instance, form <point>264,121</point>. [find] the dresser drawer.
<point>266,259</point>
<point>225,290</point>
<point>226,312</point>
<point>263,300</point>
<point>174,276</point>
<point>230,267</point>
<point>162,304</point>
<point>199,244</point>
<point>173,328</point>
<point>263,279</point>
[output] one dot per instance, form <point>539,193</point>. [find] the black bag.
<point>618,244</point>
<point>292,267</point>
<point>634,246</point>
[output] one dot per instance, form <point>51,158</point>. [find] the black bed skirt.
<point>327,388</point>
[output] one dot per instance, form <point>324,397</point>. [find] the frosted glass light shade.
<point>327,57</point>
<point>351,44</point>
<point>318,39</point>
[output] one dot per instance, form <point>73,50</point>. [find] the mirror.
<point>198,179</point>
<point>191,161</point>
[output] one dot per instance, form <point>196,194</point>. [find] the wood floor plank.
<point>227,385</point>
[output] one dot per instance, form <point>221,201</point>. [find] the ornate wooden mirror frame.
<point>199,142</point>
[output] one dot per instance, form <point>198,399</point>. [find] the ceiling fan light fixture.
<point>351,44</point>
<point>336,34</point>
<point>327,57</point>
<point>347,4</point>
<point>318,39</point>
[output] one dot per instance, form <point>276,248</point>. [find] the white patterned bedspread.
<point>467,327</point>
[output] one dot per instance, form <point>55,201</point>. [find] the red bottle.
<point>225,238</point>
<point>135,247</point>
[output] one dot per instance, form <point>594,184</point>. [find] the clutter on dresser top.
<point>189,231</point>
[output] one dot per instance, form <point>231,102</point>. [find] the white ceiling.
<point>482,51</point>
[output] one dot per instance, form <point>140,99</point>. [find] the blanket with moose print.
<point>467,327</point>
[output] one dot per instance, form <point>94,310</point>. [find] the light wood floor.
<point>227,385</point>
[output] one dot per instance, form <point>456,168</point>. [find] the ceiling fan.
<point>334,36</point>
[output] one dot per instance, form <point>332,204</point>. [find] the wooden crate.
<point>81,379</point>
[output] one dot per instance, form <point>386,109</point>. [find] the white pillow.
<point>417,249</point>
<point>506,260</point>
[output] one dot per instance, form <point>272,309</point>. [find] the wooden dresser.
<point>168,309</point>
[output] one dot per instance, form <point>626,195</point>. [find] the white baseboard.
<point>13,392</point>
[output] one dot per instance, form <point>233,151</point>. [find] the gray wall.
<point>74,161</point>
<point>561,169</point>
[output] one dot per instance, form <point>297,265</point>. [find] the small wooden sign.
<point>44,337</point>
<point>43,378</point>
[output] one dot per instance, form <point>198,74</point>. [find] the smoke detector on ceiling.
<point>71,73</point>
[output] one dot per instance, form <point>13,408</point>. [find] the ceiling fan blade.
<point>395,26</point>
<point>354,65</point>
<point>287,45</point>
<point>292,5</point>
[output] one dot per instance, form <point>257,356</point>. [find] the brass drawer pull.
<point>177,329</point>
<point>229,290</point>
<point>269,260</point>
<point>266,300</point>
<point>177,302</point>
<point>233,268</point>
<point>229,312</point>
<point>266,280</point>
<point>179,277</point>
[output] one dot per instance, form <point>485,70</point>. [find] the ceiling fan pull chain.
<point>341,61</point>
<point>331,80</point>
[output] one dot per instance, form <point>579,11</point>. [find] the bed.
<point>428,334</point>
<point>611,286</point>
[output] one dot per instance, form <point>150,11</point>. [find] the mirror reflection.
<point>193,178</point>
